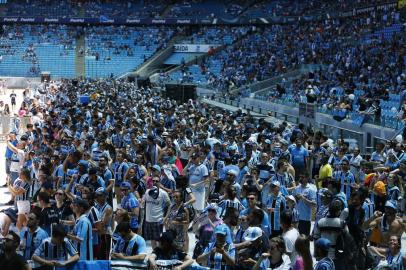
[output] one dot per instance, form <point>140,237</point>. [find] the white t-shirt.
<point>290,238</point>
<point>154,208</point>
<point>17,161</point>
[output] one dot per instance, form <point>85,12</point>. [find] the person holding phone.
<point>219,254</point>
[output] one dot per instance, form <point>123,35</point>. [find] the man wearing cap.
<point>275,204</point>
<point>321,251</point>
<point>252,248</point>
<point>156,202</point>
<point>82,231</point>
<point>388,223</point>
<point>219,255</point>
<point>106,214</point>
<point>93,180</point>
<point>130,204</point>
<point>120,169</point>
<point>17,161</point>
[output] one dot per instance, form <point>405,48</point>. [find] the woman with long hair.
<point>304,260</point>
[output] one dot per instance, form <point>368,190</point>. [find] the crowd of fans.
<point>104,167</point>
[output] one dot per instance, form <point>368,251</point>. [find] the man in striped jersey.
<point>82,231</point>
<point>56,250</point>
<point>31,236</point>
<point>106,214</point>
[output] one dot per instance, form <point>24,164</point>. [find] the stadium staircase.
<point>153,64</point>
<point>264,87</point>
<point>80,69</point>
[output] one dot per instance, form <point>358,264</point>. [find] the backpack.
<point>346,248</point>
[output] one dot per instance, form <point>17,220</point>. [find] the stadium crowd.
<point>104,167</point>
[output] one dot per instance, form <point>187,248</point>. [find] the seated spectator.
<point>131,246</point>
<point>65,253</point>
<point>167,251</point>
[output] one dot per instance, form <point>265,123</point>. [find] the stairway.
<point>80,69</point>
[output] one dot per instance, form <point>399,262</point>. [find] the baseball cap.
<point>82,203</point>
<point>390,204</point>
<point>221,229</point>
<point>92,171</point>
<point>291,197</point>
<point>83,163</point>
<point>156,167</point>
<point>233,172</point>
<point>101,191</point>
<point>323,243</point>
<point>125,185</point>
<point>276,183</point>
<point>71,172</point>
<point>326,193</point>
<point>252,233</point>
<point>24,137</point>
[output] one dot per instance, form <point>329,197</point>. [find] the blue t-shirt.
<point>304,209</point>
<point>298,156</point>
<point>129,203</point>
<point>31,241</point>
<point>83,230</point>
<point>135,246</point>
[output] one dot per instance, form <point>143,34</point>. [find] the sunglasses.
<point>59,193</point>
<point>251,198</point>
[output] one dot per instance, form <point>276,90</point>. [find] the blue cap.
<point>125,185</point>
<point>71,172</point>
<point>323,243</point>
<point>232,147</point>
<point>156,167</point>
<point>221,229</point>
<point>83,163</point>
<point>390,204</point>
<point>36,159</point>
<point>102,191</point>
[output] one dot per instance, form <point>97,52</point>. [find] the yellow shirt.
<point>325,172</point>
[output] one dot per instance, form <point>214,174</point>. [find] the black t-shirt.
<point>64,211</point>
<point>15,262</point>
<point>48,216</point>
<point>173,255</point>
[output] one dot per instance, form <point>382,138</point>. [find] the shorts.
<point>152,230</point>
<point>23,207</point>
<point>8,164</point>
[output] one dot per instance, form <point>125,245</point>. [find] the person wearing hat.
<point>387,223</point>
<point>324,199</point>
<point>275,204</point>
<point>167,251</point>
<point>106,214</point>
<point>291,206</point>
<point>9,153</point>
<point>93,180</point>
<point>219,254</point>
<point>120,169</point>
<point>131,204</point>
<point>251,249</point>
<point>82,234</point>
<point>7,218</point>
<point>156,203</point>
<point>16,162</point>
<point>321,250</point>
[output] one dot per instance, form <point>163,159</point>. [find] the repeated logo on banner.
<point>148,21</point>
